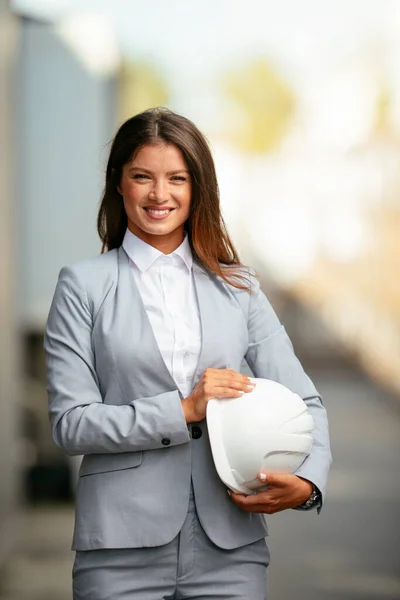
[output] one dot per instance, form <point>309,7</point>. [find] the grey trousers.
<point>189,567</point>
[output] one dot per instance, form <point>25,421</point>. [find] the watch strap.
<point>313,501</point>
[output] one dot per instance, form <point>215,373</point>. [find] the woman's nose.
<point>160,191</point>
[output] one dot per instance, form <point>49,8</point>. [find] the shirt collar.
<point>144,255</point>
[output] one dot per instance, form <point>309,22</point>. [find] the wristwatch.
<point>314,501</point>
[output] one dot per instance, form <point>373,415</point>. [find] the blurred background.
<point>301,104</point>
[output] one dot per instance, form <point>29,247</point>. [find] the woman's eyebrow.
<point>178,171</point>
<point>140,169</point>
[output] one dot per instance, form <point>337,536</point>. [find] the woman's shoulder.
<point>243,276</point>
<point>94,275</point>
<point>242,284</point>
<point>94,266</point>
<point>90,279</point>
<point>240,280</point>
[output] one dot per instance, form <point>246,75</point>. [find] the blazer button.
<point>196,432</point>
<point>165,442</point>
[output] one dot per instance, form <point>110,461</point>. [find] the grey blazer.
<point>112,399</point>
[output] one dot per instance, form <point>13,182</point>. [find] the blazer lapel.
<point>142,362</point>
<point>223,325</point>
<point>208,297</point>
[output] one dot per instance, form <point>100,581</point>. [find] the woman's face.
<point>156,190</point>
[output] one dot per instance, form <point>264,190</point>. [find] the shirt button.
<point>196,432</point>
<point>165,442</point>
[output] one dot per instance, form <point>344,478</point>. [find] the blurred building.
<point>57,114</point>
<point>66,116</point>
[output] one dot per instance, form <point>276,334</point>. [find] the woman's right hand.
<point>214,383</point>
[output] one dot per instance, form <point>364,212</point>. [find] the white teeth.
<point>158,212</point>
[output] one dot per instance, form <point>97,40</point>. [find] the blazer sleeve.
<point>270,355</point>
<point>81,423</point>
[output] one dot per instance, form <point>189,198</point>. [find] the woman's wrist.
<point>187,409</point>
<point>308,488</point>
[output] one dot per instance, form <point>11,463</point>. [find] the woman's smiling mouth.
<point>158,213</point>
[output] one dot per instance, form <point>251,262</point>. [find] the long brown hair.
<point>208,237</point>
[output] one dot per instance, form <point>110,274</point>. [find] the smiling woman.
<point>156,189</point>
<point>138,341</point>
<point>160,160</point>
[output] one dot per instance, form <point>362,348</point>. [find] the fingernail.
<point>229,492</point>
<point>262,477</point>
<point>241,392</point>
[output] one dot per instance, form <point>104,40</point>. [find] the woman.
<point>137,341</point>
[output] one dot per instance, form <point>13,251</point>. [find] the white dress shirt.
<point>165,282</point>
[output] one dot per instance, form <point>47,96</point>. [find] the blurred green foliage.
<point>262,104</point>
<point>140,86</point>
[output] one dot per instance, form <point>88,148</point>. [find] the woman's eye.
<point>140,176</point>
<point>178,178</point>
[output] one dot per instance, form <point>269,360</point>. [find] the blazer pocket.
<point>103,463</point>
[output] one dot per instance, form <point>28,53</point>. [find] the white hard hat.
<point>268,429</point>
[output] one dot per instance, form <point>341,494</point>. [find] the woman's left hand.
<point>284,491</point>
